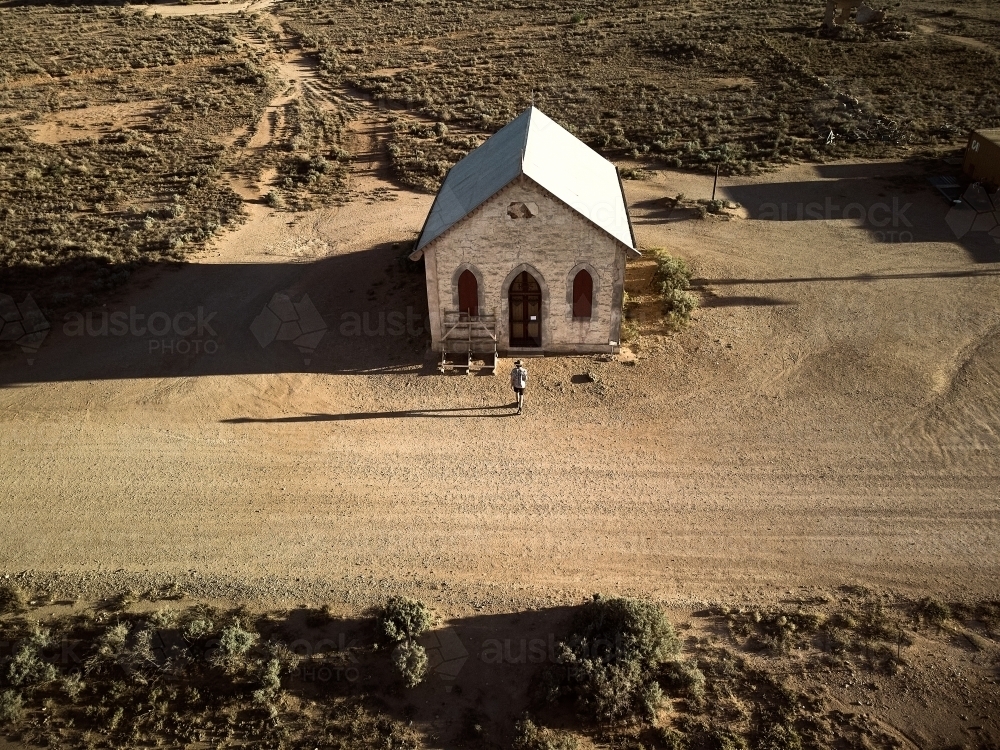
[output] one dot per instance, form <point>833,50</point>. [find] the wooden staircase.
<point>467,338</point>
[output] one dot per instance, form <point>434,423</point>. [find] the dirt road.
<point>831,415</point>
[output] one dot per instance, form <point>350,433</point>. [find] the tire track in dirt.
<point>962,419</point>
<point>300,84</point>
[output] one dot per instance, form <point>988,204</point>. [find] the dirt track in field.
<point>832,415</point>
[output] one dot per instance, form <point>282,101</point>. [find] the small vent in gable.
<point>522,210</point>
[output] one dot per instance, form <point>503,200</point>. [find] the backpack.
<point>518,377</point>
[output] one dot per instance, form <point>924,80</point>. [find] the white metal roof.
<point>536,146</point>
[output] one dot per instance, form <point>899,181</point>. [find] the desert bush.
<point>795,86</point>
<point>73,685</point>
<point>632,173</point>
<point>28,667</point>
<point>725,739</point>
<point>679,304</point>
<point>356,727</point>
<point>403,619</point>
<point>611,658</point>
<point>71,234</point>
<point>630,327</point>
<point>780,737</point>
<point>233,644</point>
<point>270,682</point>
<point>838,640</point>
<point>673,278</point>
<point>652,699</point>
<point>123,600</point>
<point>11,707</point>
<point>630,331</point>
<point>686,677</point>
<point>127,698</point>
<point>671,272</point>
<point>886,659</point>
<point>275,200</point>
<point>988,612</point>
<point>776,630</point>
<point>112,641</point>
<point>670,739</point>
<point>12,598</point>
<point>198,627</point>
<point>422,157</point>
<point>163,618</point>
<point>410,661</point>
<point>932,611</point>
<point>530,736</point>
<point>120,645</point>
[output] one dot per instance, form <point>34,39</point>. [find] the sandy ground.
<point>217,8</point>
<point>832,414</point>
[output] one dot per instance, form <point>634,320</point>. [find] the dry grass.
<point>113,190</point>
<point>306,155</point>
<point>175,677</point>
<point>746,676</point>
<point>745,85</point>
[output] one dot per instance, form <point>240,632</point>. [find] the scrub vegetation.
<point>658,297</point>
<point>155,669</point>
<point>107,677</point>
<point>745,85</point>
<point>115,131</point>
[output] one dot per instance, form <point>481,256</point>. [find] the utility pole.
<point>716,183</point>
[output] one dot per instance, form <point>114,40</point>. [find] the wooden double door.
<point>525,304</point>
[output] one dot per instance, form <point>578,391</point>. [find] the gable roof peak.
<point>534,145</point>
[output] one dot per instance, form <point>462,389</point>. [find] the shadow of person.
<point>458,413</point>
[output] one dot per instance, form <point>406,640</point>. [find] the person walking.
<point>519,381</point>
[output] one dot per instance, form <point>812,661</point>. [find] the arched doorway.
<point>468,293</point>
<point>525,303</point>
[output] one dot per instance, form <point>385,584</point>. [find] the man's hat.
<point>517,363</point>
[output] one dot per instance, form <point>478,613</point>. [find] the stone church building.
<point>525,247</point>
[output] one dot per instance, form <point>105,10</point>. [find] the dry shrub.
<point>744,86</point>
<point>530,736</point>
<point>12,598</point>
<point>611,658</point>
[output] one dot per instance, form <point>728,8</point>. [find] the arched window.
<point>583,295</point>
<point>468,293</point>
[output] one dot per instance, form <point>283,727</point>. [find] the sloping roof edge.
<point>462,191</point>
<point>535,146</point>
<point>632,251</point>
<point>419,252</point>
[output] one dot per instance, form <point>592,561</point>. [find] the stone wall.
<point>548,239</point>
